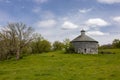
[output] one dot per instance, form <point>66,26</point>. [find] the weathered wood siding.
<point>86,47</point>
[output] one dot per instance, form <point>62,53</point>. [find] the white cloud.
<point>1,27</point>
<point>46,23</point>
<point>85,10</point>
<point>109,1</point>
<point>106,39</point>
<point>36,10</point>
<point>43,14</point>
<point>69,25</point>
<point>117,19</point>
<point>74,21</point>
<point>5,17</point>
<point>96,33</point>
<point>84,27</point>
<point>40,1</point>
<point>6,1</point>
<point>94,22</point>
<point>47,15</point>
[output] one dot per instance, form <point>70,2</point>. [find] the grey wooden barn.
<point>85,44</point>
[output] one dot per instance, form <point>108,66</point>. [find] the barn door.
<point>85,50</point>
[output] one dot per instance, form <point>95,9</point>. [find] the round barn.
<point>84,44</point>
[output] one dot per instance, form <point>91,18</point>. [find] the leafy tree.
<point>66,43</point>
<point>58,45</point>
<point>45,46</point>
<point>69,48</point>
<point>4,52</point>
<point>116,43</point>
<point>40,45</point>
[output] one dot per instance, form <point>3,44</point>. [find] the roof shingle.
<point>83,38</point>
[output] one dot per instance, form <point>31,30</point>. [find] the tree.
<point>40,45</point>
<point>4,53</point>
<point>58,45</point>
<point>106,46</point>
<point>116,43</point>
<point>45,46</point>
<point>16,36</point>
<point>66,43</point>
<point>69,48</point>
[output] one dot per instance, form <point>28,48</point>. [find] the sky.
<point>61,19</point>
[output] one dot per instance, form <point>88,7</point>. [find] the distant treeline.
<point>114,44</point>
<point>18,40</point>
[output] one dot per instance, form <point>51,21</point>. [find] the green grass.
<point>60,66</point>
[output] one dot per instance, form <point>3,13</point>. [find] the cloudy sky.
<point>60,19</point>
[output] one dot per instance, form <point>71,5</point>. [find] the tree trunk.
<point>18,54</point>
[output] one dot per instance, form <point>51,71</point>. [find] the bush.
<point>41,46</point>
<point>70,49</point>
<point>58,45</point>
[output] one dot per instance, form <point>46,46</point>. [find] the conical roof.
<point>83,38</point>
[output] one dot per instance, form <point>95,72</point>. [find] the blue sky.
<point>60,19</point>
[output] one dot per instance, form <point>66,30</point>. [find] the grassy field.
<point>60,66</point>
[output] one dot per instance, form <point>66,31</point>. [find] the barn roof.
<point>83,38</point>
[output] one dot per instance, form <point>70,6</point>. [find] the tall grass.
<point>60,66</point>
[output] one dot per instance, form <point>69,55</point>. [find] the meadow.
<point>60,66</point>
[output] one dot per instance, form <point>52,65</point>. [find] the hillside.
<point>60,66</point>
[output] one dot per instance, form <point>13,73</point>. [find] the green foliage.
<point>58,46</point>
<point>69,48</point>
<point>45,46</point>
<point>26,50</point>
<point>116,43</point>
<point>40,45</point>
<point>13,38</point>
<point>60,66</point>
<point>107,46</point>
<point>4,50</point>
